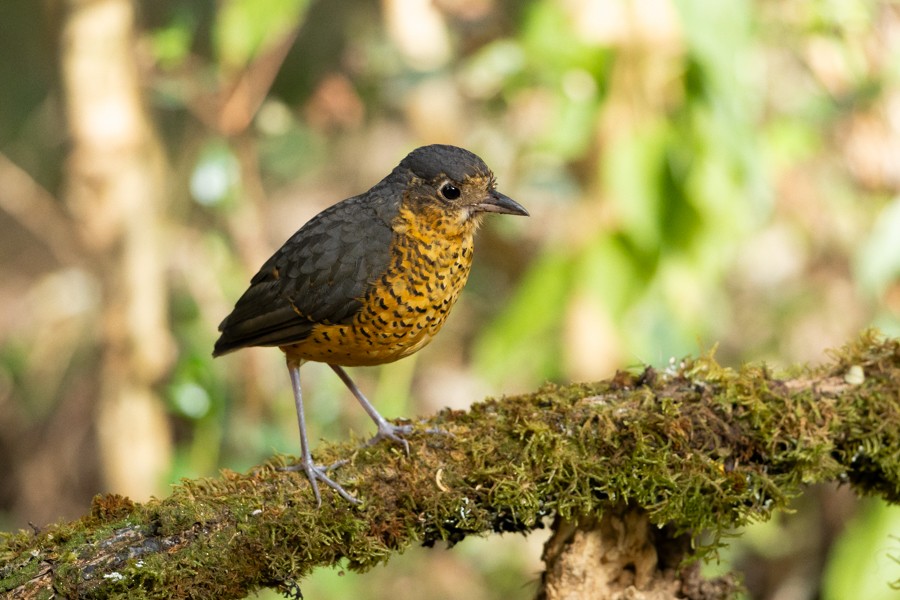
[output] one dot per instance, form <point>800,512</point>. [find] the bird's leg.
<point>306,464</point>
<point>386,430</point>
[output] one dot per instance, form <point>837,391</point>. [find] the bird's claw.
<point>436,431</point>
<point>389,431</point>
<point>337,464</point>
<point>316,473</point>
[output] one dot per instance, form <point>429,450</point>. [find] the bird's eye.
<point>450,191</point>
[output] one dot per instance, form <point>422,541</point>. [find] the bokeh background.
<point>699,173</point>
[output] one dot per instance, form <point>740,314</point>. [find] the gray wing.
<point>320,275</point>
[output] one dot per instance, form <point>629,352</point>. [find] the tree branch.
<point>697,448</point>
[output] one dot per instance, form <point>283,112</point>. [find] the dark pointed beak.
<point>498,203</point>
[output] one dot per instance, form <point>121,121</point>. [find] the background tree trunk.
<point>115,190</point>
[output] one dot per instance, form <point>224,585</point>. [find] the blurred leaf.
<point>628,175</point>
<point>289,154</point>
<point>553,48</point>
<point>863,563</point>
<point>190,400</point>
<point>171,44</point>
<point>612,272</point>
<point>488,70</point>
<point>717,35</point>
<point>216,175</point>
<point>244,27</point>
<point>525,337</point>
<point>878,261</point>
<point>573,71</point>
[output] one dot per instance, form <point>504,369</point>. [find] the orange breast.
<point>405,306</point>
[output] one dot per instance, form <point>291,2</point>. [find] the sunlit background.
<point>698,173</point>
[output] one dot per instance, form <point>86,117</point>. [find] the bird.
<point>369,280</point>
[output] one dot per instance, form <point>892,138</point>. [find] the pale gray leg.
<point>306,464</point>
<point>386,430</point>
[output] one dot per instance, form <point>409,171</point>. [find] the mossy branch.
<point>699,447</point>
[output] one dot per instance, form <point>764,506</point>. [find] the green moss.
<point>702,448</point>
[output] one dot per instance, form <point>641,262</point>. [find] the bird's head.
<point>454,181</point>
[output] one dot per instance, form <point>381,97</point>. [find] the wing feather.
<point>320,275</point>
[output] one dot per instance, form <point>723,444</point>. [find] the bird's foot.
<point>337,464</point>
<point>436,431</point>
<point>316,473</point>
<point>389,431</point>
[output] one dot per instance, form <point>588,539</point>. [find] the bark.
<point>623,556</point>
